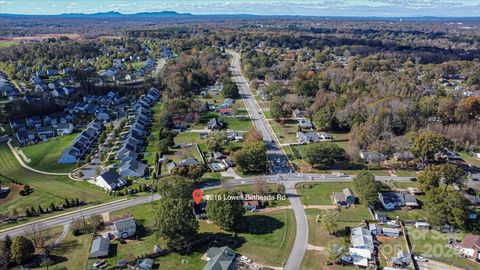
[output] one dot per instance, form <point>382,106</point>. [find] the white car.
<point>342,175</point>
<point>421,259</point>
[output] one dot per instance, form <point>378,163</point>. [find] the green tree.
<point>230,89</point>
<point>176,187</point>
<point>324,153</point>
<point>452,175</point>
<point>427,144</point>
<point>5,246</point>
<point>252,158</point>
<point>429,178</point>
<point>196,171</point>
<point>366,187</point>
<point>217,141</point>
<point>329,222</point>
<point>227,214</point>
<point>335,252</point>
<point>175,222</point>
<point>276,108</point>
<point>21,250</point>
<point>443,207</point>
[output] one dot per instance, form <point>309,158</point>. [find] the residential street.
<point>278,164</point>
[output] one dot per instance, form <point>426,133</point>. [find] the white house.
<point>64,129</point>
<point>124,228</point>
<point>110,180</point>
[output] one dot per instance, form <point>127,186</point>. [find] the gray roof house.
<point>100,247</point>
<point>305,123</point>
<point>189,161</point>
<point>392,200</point>
<point>308,137</point>
<point>372,156</point>
<point>133,168</point>
<point>124,228</point>
<point>220,258</point>
<point>344,198</point>
<point>361,238</point>
<point>215,124</point>
<point>110,180</point>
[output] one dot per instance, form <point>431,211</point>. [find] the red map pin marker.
<point>197,195</point>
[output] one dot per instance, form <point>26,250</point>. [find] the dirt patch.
<point>14,192</point>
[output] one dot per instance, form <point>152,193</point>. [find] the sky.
<point>379,8</point>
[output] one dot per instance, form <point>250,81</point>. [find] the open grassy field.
<point>267,239</point>
<point>46,188</point>
<point>44,155</point>
<point>7,43</point>
<point>235,123</point>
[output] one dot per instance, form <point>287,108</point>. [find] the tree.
<point>452,175</point>
<point>5,246</point>
<point>446,207</point>
<point>429,178</point>
<point>252,158</point>
<point>427,144</point>
<point>324,153</point>
<point>175,222</point>
<point>261,186</point>
<point>176,187</point>
<point>329,222</point>
<point>276,108</point>
<point>230,89</point>
<point>227,214</point>
<point>252,135</point>
<point>366,188</point>
<point>196,171</point>
<point>217,141</point>
<point>335,252</point>
<point>21,250</point>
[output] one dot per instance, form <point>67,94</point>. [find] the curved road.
<point>278,161</point>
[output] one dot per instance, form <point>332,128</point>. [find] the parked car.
<point>421,259</point>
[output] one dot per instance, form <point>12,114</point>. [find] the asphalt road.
<point>278,164</point>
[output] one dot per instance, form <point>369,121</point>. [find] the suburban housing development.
<point>261,136</point>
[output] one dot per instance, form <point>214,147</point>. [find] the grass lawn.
<point>320,193</point>
<point>46,188</point>
<point>138,65</point>
<point>434,243</point>
<point>44,155</point>
<point>7,43</point>
<point>72,252</point>
<point>315,259</point>
<point>234,123</point>
<point>248,189</point>
<point>188,137</point>
<point>469,159</point>
<point>268,239</point>
<point>151,146</point>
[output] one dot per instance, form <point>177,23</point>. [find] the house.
<point>64,129</point>
<point>215,124</point>
<point>189,161</point>
<point>374,228</point>
<point>45,132</point>
<point>233,135</point>
<point>422,225</point>
<point>124,228</point>
<point>70,156</point>
<point>308,137</point>
<point>227,112</point>
<point>361,238</point>
<point>50,120</point>
<point>474,200</point>
<point>18,124</point>
<point>403,156</point>
<point>344,198</point>
<point>372,156</point>
<point>110,180</point>
<point>323,136</point>
<point>298,113</point>
<point>146,263</point>
<point>25,136</point>
<point>305,124</point>
<point>133,168</point>
<point>390,232</point>
<point>392,200</point>
<point>34,121</point>
<point>220,258</point>
<point>470,246</point>
<point>359,257</point>
<point>100,247</point>
<point>171,166</point>
<point>199,210</point>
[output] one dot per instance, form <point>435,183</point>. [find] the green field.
<point>6,43</point>
<point>234,123</point>
<point>151,146</point>
<point>46,188</point>
<point>267,240</point>
<point>44,155</point>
